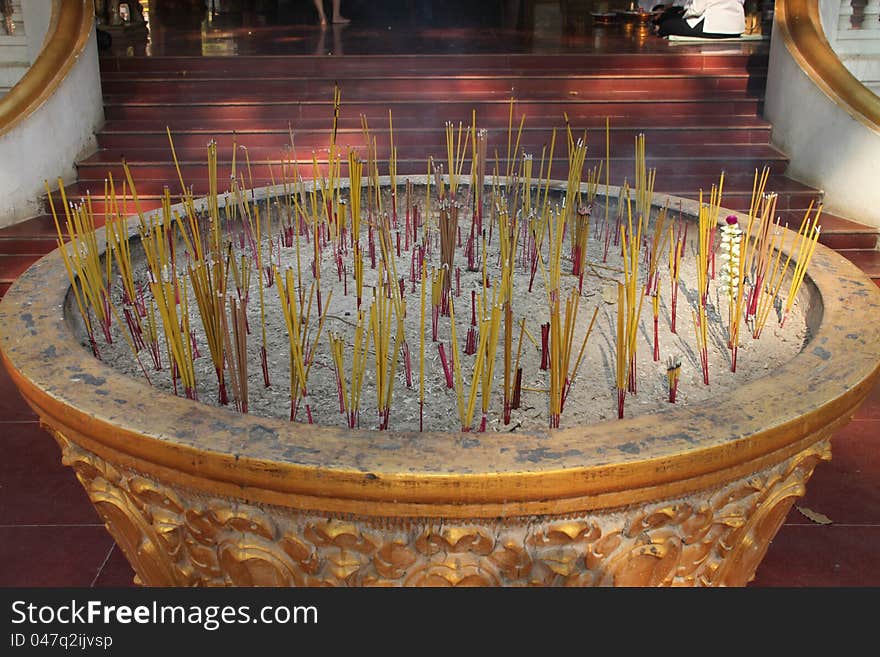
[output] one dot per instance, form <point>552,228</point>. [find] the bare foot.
<point>341,20</point>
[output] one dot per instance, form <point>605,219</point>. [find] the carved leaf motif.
<point>565,533</point>
<point>512,560</point>
<point>202,525</point>
<point>452,571</point>
<point>304,557</point>
<point>392,559</point>
<point>649,563</point>
<point>455,539</point>
<point>339,534</point>
<point>153,497</point>
<point>696,527</point>
<point>256,564</point>
<point>204,562</point>
<point>656,518</point>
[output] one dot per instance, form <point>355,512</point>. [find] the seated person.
<point>711,19</point>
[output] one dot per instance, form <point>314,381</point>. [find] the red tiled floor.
<point>845,489</point>
<point>52,556</point>
<point>816,555</point>
<point>36,452</point>
<point>12,266</point>
<point>12,405</point>
<point>45,499</point>
<point>116,572</point>
<point>870,408</point>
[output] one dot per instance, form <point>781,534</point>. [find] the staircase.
<point>706,122</point>
<point>700,113</point>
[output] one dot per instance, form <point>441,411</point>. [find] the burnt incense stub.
<point>689,495</point>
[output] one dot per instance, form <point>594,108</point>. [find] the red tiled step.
<point>866,260</point>
<point>38,246</point>
<point>571,69</point>
<point>424,87</point>
<point>13,265</point>
<point>842,234</point>
<point>438,112</point>
<point>734,181</point>
<point>128,140</point>
<point>742,155</point>
<point>675,183</point>
<point>195,175</point>
<point>347,122</point>
<point>41,226</point>
<point>439,64</point>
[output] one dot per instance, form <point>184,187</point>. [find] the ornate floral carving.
<point>183,538</point>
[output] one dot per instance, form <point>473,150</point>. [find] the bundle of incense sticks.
<point>657,246</point>
<point>488,329</point>
<point>808,235</point>
<point>655,304</point>
<point>508,235</point>
<point>630,239</point>
<point>264,356</point>
<point>236,347</point>
<point>622,349</point>
<point>456,149</point>
<point>761,253</point>
<point>84,260</point>
<point>302,351</point>
<point>89,280</point>
<point>349,389</point>
<point>448,225</point>
<point>480,140</point>
<point>708,223</point>
<point>579,244</point>
<point>422,349</point>
<point>437,285</point>
<point>673,373</point>
<point>490,324</point>
<point>118,251</point>
<point>747,250</point>
<point>772,281</point>
<point>644,184</point>
<point>677,241</point>
<point>512,146</point>
<point>386,319</point>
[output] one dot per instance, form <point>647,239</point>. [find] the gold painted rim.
<point>449,474</point>
<point>69,31</point>
<point>801,31</point>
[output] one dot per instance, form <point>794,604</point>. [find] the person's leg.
<point>337,16</point>
<point>678,26</point>
<point>319,5</point>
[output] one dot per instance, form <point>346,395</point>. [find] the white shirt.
<point>721,16</point>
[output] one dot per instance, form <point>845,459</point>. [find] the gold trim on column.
<point>68,35</point>
<point>801,31</point>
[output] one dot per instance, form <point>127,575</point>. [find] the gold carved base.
<point>176,537</point>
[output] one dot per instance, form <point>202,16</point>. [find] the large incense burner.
<point>200,495</point>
